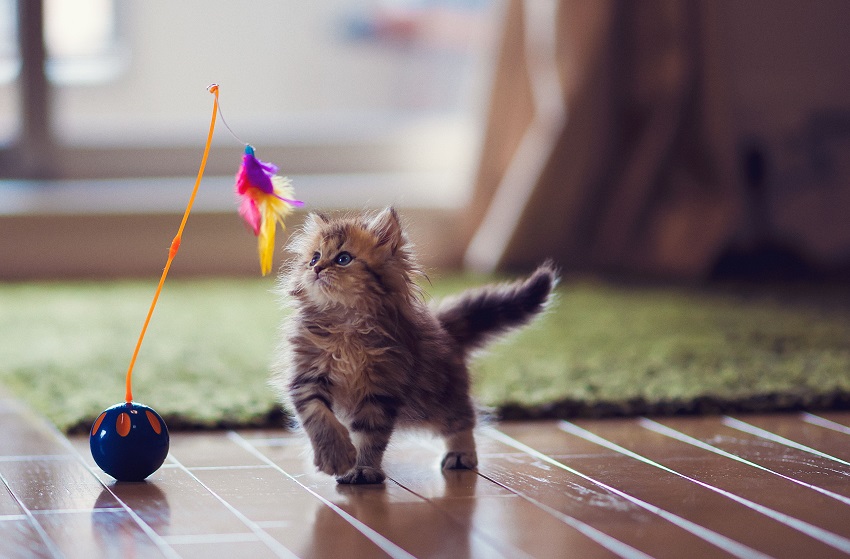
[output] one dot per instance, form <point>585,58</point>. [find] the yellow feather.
<point>265,240</point>
<point>273,211</point>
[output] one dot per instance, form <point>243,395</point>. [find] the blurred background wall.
<point>104,110</point>
<point>662,138</point>
<point>670,139</point>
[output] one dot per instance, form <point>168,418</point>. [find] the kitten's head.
<point>352,262</point>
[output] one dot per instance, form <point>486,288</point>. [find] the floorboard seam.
<point>662,429</point>
<point>608,542</point>
<point>826,423</point>
<point>388,546</point>
<point>718,540</point>
<point>765,434</point>
<point>278,548</point>
<point>33,522</point>
<point>825,536</point>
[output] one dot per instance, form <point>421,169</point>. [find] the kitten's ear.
<point>315,221</point>
<point>387,227</point>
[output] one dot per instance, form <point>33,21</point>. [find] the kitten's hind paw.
<point>460,461</point>
<point>362,475</point>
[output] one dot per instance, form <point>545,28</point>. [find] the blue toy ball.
<point>129,441</point>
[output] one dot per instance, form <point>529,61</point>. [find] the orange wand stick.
<point>175,245</point>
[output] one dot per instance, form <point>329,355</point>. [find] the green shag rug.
<point>602,350</point>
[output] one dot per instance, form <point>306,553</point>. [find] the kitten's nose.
<point>318,269</point>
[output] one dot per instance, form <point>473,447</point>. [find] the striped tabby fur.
<point>362,354</point>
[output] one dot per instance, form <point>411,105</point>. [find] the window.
<point>83,43</point>
<point>10,65</point>
<point>343,86</point>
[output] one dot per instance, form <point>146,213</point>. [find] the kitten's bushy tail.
<point>476,316</point>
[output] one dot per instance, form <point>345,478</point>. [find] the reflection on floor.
<point>748,486</point>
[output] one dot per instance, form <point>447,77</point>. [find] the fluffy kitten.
<point>362,354</point>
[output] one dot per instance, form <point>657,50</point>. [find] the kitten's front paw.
<point>335,458</point>
<point>467,460</point>
<point>362,475</point>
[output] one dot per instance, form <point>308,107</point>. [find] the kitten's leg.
<point>460,451</point>
<point>456,427</point>
<point>371,427</point>
<point>333,452</point>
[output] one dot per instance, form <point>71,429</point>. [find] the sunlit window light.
<point>82,39</point>
<point>10,61</point>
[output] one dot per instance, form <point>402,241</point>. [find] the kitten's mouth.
<point>324,287</point>
<point>322,280</point>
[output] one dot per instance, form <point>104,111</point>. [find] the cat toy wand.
<point>129,441</point>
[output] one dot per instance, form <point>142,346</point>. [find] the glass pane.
<point>9,68</point>
<point>9,60</point>
<point>82,41</point>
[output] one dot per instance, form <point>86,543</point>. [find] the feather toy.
<point>265,200</point>
<point>129,441</point>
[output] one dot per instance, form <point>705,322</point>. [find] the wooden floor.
<point>749,486</point>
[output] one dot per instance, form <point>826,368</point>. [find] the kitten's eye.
<point>315,259</point>
<point>343,259</point>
